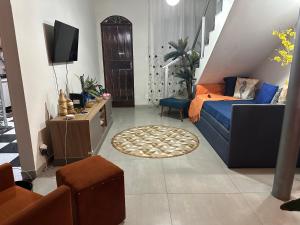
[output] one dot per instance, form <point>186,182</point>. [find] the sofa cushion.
<point>266,94</point>
<point>14,199</point>
<point>221,110</point>
<point>245,88</point>
<point>229,85</point>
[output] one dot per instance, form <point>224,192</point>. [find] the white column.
<point>290,141</point>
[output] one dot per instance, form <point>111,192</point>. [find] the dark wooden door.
<point>117,50</point>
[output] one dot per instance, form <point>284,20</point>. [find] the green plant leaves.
<point>189,61</point>
<point>91,86</point>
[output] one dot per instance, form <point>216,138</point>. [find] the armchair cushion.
<point>55,208</point>
<point>6,176</point>
<point>15,199</point>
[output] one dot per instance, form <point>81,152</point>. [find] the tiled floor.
<point>9,148</point>
<point>194,189</point>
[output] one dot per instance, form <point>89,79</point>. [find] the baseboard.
<point>32,174</point>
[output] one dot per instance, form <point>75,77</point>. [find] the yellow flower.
<point>291,47</point>
<point>293,34</point>
<point>283,52</point>
<point>286,43</point>
<point>289,30</point>
<point>277,59</point>
<point>282,36</point>
<point>289,58</point>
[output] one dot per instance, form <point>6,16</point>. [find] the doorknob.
<point>121,53</point>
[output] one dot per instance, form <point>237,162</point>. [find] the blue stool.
<point>181,104</point>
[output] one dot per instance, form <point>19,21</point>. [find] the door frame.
<point>118,21</point>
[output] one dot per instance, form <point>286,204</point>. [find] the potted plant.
<point>189,61</point>
<point>90,88</point>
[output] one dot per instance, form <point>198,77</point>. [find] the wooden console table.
<point>81,137</point>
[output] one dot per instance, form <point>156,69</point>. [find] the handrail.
<point>200,25</point>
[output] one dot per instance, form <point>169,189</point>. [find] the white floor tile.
<point>147,210</point>
<point>17,173</point>
<point>192,176</point>
<point>143,176</point>
<point>252,180</point>
<point>2,144</point>
<point>7,157</point>
<point>211,209</point>
<point>12,131</point>
<point>268,210</point>
<point>11,124</point>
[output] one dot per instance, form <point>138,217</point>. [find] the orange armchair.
<point>22,207</point>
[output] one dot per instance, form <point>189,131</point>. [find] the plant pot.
<point>85,98</point>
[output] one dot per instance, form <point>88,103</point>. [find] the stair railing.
<point>202,29</point>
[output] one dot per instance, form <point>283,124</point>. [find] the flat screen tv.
<point>65,46</point>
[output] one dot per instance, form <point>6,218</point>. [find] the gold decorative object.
<point>155,141</point>
<point>70,106</point>
<point>89,104</point>
<point>62,104</point>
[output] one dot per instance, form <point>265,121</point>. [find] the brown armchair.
<point>22,207</point>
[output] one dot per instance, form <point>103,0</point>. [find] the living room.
<point>174,172</point>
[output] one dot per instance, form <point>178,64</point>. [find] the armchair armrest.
<point>6,176</point>
<point>55,208</point>
<point>255,135</point>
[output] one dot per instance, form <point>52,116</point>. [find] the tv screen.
<point>65,43</point>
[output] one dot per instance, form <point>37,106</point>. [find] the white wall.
<point>272,72</point>
<point>137,12</point>
<point>37,73</point>
<point>246,39</point>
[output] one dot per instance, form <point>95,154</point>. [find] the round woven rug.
<point>155,141</point>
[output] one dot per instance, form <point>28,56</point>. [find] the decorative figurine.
<point>62,104</point>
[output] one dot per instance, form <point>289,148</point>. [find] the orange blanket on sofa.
<point>206,92</point>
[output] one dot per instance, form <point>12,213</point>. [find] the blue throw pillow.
<point>266,94</point>
<point>229,85</point>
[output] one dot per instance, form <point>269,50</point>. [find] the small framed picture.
<point>78,100</point>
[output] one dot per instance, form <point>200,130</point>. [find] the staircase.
<point>211,27</point>
<point>211,24</point>
<point>242,40</point>
<point>235,36</point>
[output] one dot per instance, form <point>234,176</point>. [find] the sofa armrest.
<point>6,176</point>
<point>255,135</point>
<point>55,208</point>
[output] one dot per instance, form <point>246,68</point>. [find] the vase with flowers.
<point>91,89</point>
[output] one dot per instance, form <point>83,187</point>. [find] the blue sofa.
<point>244,134</point>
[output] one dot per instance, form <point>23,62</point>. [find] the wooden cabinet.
<point>76,139</point>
